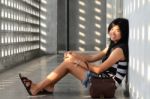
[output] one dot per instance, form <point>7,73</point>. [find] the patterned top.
<point>119,69</point>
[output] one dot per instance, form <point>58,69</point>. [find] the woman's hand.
<point>67,54</point>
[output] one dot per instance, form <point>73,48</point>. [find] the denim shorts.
<point>86,81</point>
<point>88,75</point>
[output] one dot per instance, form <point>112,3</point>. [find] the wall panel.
<point>19,31</point>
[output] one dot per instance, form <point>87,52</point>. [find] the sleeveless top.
<point>119,69</point>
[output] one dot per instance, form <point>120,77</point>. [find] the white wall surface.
<point>138,13</point>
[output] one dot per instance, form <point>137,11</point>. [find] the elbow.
<point>97,71</point>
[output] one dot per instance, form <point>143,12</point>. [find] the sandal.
<point>45,92</point>
<point>25,80</point>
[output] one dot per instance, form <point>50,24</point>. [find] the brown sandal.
<point>25,80</point>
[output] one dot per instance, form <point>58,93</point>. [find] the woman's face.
<point>115,33</point>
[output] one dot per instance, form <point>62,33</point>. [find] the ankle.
<point>50,89</point>
<point>35,89</point>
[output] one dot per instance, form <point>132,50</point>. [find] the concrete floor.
<point>67,88</point>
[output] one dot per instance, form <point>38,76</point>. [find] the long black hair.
<point>124,29</point>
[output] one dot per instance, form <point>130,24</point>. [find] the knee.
<point>68,63</point>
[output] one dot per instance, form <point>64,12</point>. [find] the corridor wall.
<point>81,25</point>
<point>138,13</point>
<point>48,26</point>
<point>19,31</point>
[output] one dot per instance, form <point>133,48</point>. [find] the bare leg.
<point>64,68</point>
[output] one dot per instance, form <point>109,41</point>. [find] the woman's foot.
<point>47,90</point>
<point>27,84</point>
<point>30,86</point>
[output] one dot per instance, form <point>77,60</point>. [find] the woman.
<point>114,62</point>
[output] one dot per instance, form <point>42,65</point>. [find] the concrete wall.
<point>49,26</point>
<point>138,13</point>
<point>87,20</point>
<point>62,25</point>
<point>87,25</point>
<point>55,35</point>
<point>19,32</point>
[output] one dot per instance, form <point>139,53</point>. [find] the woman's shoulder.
<point>124,48</point>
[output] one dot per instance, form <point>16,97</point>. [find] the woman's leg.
<point>64,68</point>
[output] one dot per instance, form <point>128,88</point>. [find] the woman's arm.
<point>90,58</point>
<point>116,55</point>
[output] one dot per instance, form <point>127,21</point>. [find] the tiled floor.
<point>67,88</point>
